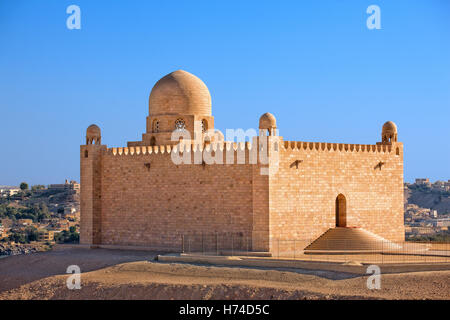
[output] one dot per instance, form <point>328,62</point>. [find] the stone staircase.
<point>350,239</point>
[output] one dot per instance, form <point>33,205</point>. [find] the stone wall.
<point>147,200</point>
<point>310,176</point>
<point>138,196</point>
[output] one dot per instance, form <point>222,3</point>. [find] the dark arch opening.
<point>85,153</point>
<point>204,125</point>
<point>152,141</point>
<point>207,140</point>
<point>341,211</point>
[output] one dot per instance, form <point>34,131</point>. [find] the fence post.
<point>425,253</point>
<point>232,245</point>
<point>246,244</point>
<point>294,249</point>
<point>203,244</point>
<point>217,244</point>
<point>182,243</point>
<point>328,253</point>
<point>403,252</point>
<point>278,247</point>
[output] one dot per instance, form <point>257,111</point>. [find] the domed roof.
<point>267,121</point>
<point>93,131</point>
<point>389,127</point>
<point>180,92</point>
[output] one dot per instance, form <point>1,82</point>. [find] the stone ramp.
<point>354,239</point>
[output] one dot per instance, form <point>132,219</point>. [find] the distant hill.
<point>428,197</point>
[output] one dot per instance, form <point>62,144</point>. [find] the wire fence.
<point>379,251</point>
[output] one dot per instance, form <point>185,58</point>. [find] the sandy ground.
<point>114,274</point>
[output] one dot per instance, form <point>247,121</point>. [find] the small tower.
<point>179,103</point>
<point>93,135</point>
<point>269,123</point>
<point>90,176</point>
<point>389,133</point>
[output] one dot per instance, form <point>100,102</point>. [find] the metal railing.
<point>345,250</point>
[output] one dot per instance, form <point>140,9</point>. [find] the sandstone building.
<point>140,196</point>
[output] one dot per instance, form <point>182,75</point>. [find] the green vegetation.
<point>426,189</point>
<point>440,237</point>
<point>24,186</point>
<point>36,212</point>
<point>23,236</point>
<point>70,236</point>
<point>37,187</point>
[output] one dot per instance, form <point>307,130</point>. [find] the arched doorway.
<point>152,141</point>
<point>341,211</point>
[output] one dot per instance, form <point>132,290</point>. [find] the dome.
<point>180,92</point>
<point>389,127</point>
<point>267,121</point>
<point>389,132</point>
<point>93,130</point>
<point>93,134</point>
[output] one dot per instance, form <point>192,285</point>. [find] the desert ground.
<point>120,274</point>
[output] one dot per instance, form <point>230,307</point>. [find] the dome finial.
<point>268,122</point>
<point>389,132</point>
<point>93,135</point>
<point>180,92</point>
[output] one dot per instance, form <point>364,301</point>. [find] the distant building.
<point>46,235</point>
<point>60,225</point>
<point>422,230</point>
<point>6,222</point>
<point>3,232</point>
<point>25,222</point>
<point>69,211</point>
<point>6,191</point>
<point>424,181</point>
<point>72,185</point>
<point>442,222</point>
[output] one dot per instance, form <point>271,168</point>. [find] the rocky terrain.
<point>8,249</point>
<point>428,198</point>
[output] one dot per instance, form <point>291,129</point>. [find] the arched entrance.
<point>341,211</point>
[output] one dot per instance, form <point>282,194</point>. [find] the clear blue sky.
<point>313,64</point>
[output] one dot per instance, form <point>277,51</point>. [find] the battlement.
<point>247,147</point>
<point>340,147</point>
<point>161,149</point>
<point>241,146</point>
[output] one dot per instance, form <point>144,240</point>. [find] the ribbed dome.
<point>389,127</point>
<point>93,134</point>
<point>93,131</point>
<point>389,132</point>
<point>180,92</point>
<point>267,121</point>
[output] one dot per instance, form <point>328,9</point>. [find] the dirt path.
<point>133,275</point>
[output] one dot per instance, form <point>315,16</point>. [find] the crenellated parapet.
<point>250,150</point>
<point>339,147</point>
<point>167,149</point>
<point>227,153</point>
